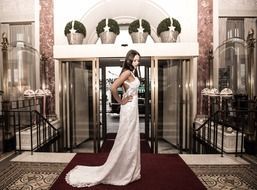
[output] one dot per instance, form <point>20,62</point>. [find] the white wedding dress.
<point>123,163</point>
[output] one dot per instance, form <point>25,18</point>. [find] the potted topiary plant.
<point>139,30</point>
<point>168,30</point>
<point>107,29</point>
<point>75,32</point>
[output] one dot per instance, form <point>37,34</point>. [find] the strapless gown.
<point>123,163</point>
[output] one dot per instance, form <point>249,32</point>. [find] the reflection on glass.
<point>22,61</point>
<point>82,104</point>
<point>168,104</point>
<point>230,66</point>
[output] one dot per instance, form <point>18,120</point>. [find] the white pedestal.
<point>229,143</point>
<point>26,137</point>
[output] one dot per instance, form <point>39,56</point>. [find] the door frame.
<point>65,102</point>
<point>185,105</point>
<point>96,104</point>
<point>105,62</point>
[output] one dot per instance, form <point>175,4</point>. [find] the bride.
<point>123,163</point>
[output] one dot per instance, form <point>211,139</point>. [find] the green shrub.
<point>114,26</point>
<point>78,26</point>
<point>133,26</point>
<point>165,23</point>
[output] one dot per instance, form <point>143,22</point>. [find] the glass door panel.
<point>80,105</point>
<point>82,102</point>
<point>171,105</point>
<point>169,79</point>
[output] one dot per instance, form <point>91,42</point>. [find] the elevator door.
<point>171,110</point>
<point>80,108</point>
<point>82,102</point>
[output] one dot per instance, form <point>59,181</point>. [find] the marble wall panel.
<point>205,40</point>
<point>46,51</point>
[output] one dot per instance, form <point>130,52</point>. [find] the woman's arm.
<point>116,84</point>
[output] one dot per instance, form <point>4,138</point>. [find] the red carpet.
<point>159,172</point>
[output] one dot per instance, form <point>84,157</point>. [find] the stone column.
<point>5,67</point>
<point>46,49</point>
<point>250,64</point>
<point>205,39</point>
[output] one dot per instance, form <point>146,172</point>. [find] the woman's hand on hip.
<point>126,99</point>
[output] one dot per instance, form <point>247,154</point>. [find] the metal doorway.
<point>79,104</point>
<point>171,105</point>
<point>109,109</point>
<point>166,102</point>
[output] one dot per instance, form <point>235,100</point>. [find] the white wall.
<point>242,8</point>
<point>91,11</point>
<point>16,10</point>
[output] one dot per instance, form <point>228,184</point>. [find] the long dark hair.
<point>127,64</point>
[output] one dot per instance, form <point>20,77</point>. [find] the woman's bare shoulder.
<point>123,77</point>
<point>126,74</point>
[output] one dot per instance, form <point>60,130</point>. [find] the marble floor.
<point>190,159</point>
<point>44,157</point>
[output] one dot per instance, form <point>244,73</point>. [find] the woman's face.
<point>136,61</point>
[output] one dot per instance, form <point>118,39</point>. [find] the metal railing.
<point>41,133</point>
<point>37,134</point>
<point>209,136</point>
<point>25,128</point>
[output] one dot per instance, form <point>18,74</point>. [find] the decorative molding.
<point>82,52</point>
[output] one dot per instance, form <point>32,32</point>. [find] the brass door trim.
<point>96,104</point>
<point>154,104</point>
